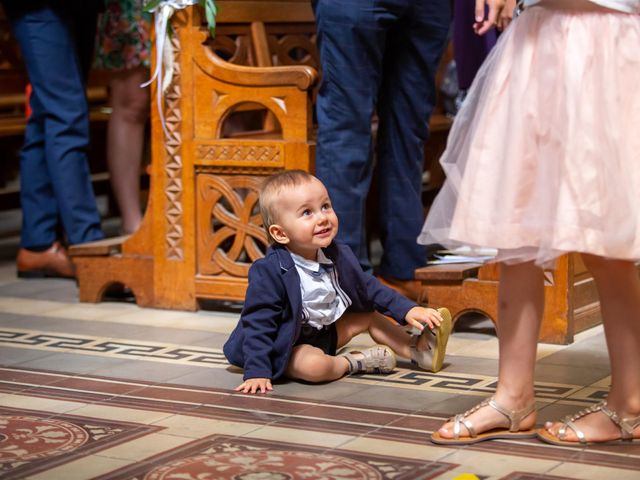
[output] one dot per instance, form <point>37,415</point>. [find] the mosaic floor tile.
<point>158,386</point>
<point>32,441</point>
<point>221,456</point>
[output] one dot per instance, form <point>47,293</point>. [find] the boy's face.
<point>305,219</point>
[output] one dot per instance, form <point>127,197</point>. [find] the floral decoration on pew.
<point>163,10</point>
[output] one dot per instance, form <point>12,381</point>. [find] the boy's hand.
<point>255,385</point>
<point>419,316</point>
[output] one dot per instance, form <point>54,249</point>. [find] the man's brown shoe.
<point>53,262</point>
<point>408,288</point>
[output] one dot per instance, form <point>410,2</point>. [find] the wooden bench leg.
<point>97,274</point>
<point>458,296</point>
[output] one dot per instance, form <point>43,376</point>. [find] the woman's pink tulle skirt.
<point>544,156</point>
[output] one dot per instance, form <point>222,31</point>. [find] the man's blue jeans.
<point>56,44</point>
<point>378,55</point>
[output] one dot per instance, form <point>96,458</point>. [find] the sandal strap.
<point>626,425</point>
<point>457,421</point>
<point>461,419</point>
<point>354,364</point>
<point>569,420</point>
<point>514,416</point>
<point>562,432</point>
<point>376,359</point>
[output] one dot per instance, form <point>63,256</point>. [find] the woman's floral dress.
<point>123,36</point>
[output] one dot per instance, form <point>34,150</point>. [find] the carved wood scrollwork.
<point>295,49</point>
<point>232,48</point>
<point>230,233</point>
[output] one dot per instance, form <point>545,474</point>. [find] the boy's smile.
<point>305,219</point>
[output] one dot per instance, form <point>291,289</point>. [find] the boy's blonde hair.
<point>273,186</point>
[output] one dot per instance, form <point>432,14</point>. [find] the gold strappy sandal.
<point>626,426</point>
<point>433,358</point>
<point>514,416</point>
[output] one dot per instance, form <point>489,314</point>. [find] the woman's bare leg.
<point>125,139</point>
<point>618,286</point>
<point>520,308</point>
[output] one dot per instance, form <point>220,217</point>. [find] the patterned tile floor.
<point>112,391</point>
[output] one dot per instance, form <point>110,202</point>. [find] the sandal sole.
<point>483,437</point>
<point>546,437</point>
<point>443,332</point>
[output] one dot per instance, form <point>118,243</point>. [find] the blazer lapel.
<point>291,282</point>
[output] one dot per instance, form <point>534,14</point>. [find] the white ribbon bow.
<point>164,51</point>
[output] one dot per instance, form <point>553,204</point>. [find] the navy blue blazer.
<point>271,319</point>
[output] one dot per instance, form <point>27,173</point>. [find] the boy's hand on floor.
<point>255,385</point>
<point>419,316</point>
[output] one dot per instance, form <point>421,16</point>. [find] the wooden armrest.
<point>301,76</point>
<point>447,272</point>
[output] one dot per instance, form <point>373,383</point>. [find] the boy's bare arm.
<point>255,385</point>
<point>419,316</point>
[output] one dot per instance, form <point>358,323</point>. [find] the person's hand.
<point>255,385</point>
<point>418,317</point>
<point>506,15</point>
<point>499,15</point>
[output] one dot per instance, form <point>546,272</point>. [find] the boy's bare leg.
<point>520,307</point>
<point>311,364</point>
<point>619,291</point>
<point>378,326</point>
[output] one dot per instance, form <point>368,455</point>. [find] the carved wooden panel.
<point>173,161</point>
<point>255,153</point>
<point>230,235</point>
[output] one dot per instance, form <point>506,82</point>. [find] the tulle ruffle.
<point>544,156</point>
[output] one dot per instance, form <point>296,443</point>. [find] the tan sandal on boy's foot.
<point>514,416</point>
<point>626,426</point>
<point>433,358</point>
<point>377,359</point>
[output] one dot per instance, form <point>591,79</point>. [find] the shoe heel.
<point>442,338</point>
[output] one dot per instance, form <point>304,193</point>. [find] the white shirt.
<point>628,6</point>
<point>323,301</point>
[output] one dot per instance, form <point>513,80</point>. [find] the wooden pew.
<point>571,300</point>
<point>202,229</point>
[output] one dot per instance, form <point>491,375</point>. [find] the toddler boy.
<point>308,297</point>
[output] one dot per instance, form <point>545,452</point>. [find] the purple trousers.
<point>470,49</point>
